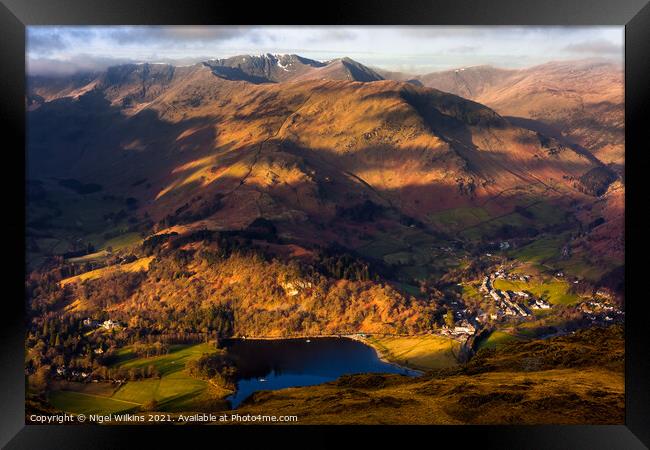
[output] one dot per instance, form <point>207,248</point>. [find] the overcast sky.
<point>413,49</point>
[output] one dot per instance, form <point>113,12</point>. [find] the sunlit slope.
<point>581,99</point>
<point>293,150</point>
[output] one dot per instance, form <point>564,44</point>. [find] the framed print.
<point>244,218</point>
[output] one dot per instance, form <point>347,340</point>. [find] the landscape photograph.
<point>324,225</point>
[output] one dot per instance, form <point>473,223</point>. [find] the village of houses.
<point>84,375</point>
<point>507,303</point>
<point>521,304</point>
<point>511,303</point>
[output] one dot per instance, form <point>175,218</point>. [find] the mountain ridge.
<point>222,153</point>
<point>583,100</point>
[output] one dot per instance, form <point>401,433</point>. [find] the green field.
<point>540,250</point>
<point>542,214</point>
<point>169,392</point>
<point>81,403</point>
<point>498,338</point>
<point>555,291</point>
<point>548,213</point>
<point>420,352</point>
<point>413,252</point>
<point>90,257</point>
<point>492,227</point>
<point>117,243</point>
<point>65,218</point>
<point>472,292</point>
<point>456,219</point>
<point>123,241</point>
<point>175,390</point>
<point>135,266</point>
<point>167,364</point>
<point>385,245</point>
<point>578,266</point>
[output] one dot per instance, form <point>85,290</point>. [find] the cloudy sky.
<point>413,49</point>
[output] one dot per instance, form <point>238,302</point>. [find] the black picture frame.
<point>15,15</point>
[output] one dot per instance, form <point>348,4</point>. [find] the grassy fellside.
<point>498,338</point>
<point>139,264</point>
<point>419,352</point>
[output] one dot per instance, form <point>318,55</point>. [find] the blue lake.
<point>283,363</point>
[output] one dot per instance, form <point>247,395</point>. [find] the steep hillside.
<point>187,133</point>
<point>580,103</point>
<point>342,69</point>
<point>468,82</point>
<point>327,161</point>
<point>258,295</point>
<point>583,100</point>
<point>48,88</point>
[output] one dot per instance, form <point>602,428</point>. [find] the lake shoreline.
<point>359,337</point>
<point>274,364</point>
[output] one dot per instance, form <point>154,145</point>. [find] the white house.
<point>464,328</point>
<point>109,324</point>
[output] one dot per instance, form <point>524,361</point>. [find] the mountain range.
<point>582,100</point>
<point>302,143</point>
